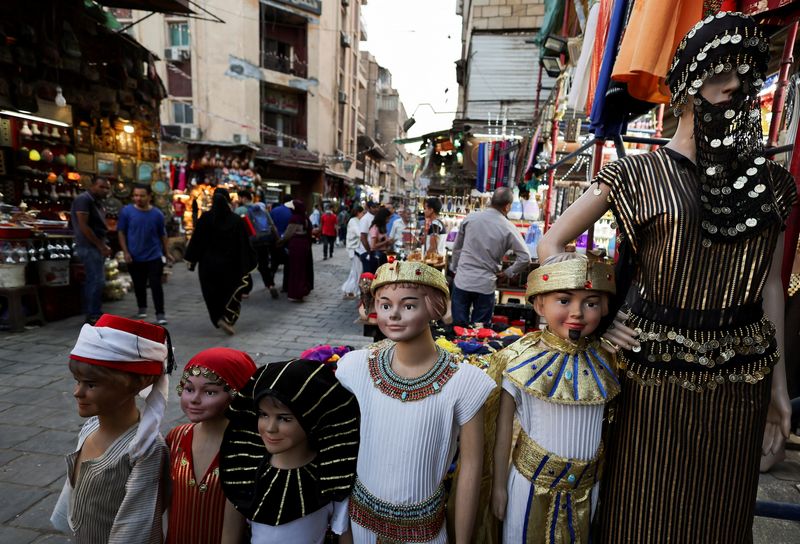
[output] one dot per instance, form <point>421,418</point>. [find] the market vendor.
<point>483,239</point>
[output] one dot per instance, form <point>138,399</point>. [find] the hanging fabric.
<point>480,180</point>
<point>598,115</point>
<point>654,31</point>
<point>601,37</point>
<point>580,79</point>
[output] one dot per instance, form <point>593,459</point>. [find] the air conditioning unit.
<point>241,139</point>
<point>177,53</point>
<point>346,40</point>
<point>190,132</point>
<point>185,53</point>
<point>342,97</point>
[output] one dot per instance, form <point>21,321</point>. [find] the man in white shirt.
<point>483,239</point>
<point>364,251</point>
<point>400,224</point>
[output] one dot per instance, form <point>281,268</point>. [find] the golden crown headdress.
<point>591,273</point>
<point>410,272</point>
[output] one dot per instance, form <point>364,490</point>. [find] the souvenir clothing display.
<point>651,36</point>
<point>707,348</point>
<point>220,246</point>
<point>399,493</point>
<point>560,388</point>
<point>293,505</point>
<point>118,496</point>
<point>197,507</point>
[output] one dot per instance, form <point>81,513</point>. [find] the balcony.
<point>280,57</point>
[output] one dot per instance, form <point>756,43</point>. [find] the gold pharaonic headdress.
<point>591,273</point>
<point>410,272</point>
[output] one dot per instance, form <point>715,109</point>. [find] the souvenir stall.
<point>77,100</point>
<point>209,165</point>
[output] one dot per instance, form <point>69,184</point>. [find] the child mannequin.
<point>287,460</point>
<point>210,381</point>
<point>416,400</point>
<point>113,492</point>
<point>558,382</point>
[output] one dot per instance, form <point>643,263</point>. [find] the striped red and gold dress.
<point>197,508</point>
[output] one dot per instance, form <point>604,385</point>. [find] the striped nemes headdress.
<point>330,416</point>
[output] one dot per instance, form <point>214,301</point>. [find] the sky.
<point>419,42</point>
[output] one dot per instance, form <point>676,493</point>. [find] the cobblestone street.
<point>40,423</point>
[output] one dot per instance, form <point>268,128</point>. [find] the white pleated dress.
<point>407,447</point>
<point>570,431</point>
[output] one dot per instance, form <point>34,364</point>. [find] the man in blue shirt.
<point>143,239</point>
<point>89,225</point>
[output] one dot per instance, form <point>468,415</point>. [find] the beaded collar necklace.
<point>409,389</point>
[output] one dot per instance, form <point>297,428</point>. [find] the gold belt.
<point>560,502</point>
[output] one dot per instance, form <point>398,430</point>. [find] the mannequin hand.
<point>557,258</point>
<point>499,501</point>
<point>619,336</point>
<point>779,418</point>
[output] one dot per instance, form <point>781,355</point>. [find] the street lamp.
<point>411,121</point>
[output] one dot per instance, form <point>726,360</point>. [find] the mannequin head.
<point>282,433</point>
<point>101,391</point>
<point>571,292</point>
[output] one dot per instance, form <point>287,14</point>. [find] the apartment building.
<point>280,75</point>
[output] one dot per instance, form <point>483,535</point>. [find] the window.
<point>182,113</point>
<point>283,117</point>
<point>179,34</point>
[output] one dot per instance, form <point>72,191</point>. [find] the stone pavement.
<point>39,422</point>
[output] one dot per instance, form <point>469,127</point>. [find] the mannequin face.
<point>402,312</point>
<point>202,399</point>
<point>280,430</point>
<point>719,88</point>
<point>575,310</point>
<point>100,392</point>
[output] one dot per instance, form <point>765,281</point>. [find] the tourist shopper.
<point>210,381</point>
<point>220,245</point>
<point>379,242</point>
<point>393,216</point>
<point>263,241</point>
<point>701,338</point>
<point>350,286</point>
<point>115,491</point>
<point>143,239</point>
<point>483,239</point>
<point>400,225</point>
<point>300,264</point>
<point>365,224</point>
<point>435,232</point>
<point>88,220</point>
<point>328,223</point>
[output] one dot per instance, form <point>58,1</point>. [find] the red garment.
<point>329,223</point>
<point>232,365</point>
<point>197,509</point>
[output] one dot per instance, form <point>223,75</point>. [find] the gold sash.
<point>559,508</point>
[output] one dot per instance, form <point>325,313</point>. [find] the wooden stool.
<point>17,317</point>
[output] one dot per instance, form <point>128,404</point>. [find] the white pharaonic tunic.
<point>407,447</point>
<point>309,529</point>
<point>115,500</point>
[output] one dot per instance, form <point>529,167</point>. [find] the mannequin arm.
<point>469,477</point>
<point>780,410</point>
<point>581,215</point>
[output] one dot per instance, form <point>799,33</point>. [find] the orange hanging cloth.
<point>603,19</point>
<point>654,31</point>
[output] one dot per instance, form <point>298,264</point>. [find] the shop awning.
<point>289,163</point>
<point>159,6</point>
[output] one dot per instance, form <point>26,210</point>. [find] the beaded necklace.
<point>409,389</point>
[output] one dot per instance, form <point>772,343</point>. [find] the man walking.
<point>344,218</point>
<point>435,235</point>
<point>364,250</point>
<point>328,223</point>
<point>483,239</point>
<point>280,218</point>
<point>89,225</point>
<point>143,238</point>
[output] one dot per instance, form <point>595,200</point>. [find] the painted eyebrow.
<point>402,299</point>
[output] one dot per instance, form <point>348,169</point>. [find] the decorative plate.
<point>160,187</point>
<point>122,188</point>
<point>112,205</point>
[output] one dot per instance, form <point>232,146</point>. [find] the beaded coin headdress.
<point>591,274</point>
<point>410,272</point>
<point>736,203</point>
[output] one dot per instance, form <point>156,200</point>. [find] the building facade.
<point>280,74</point>
<point>499,72</point>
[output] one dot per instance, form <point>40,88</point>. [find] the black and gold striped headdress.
<point>330,416</point>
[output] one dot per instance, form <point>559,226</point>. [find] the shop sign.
<point>278,102</point>
<point>312,6</point>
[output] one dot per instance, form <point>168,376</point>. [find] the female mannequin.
<point>701,365</point>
